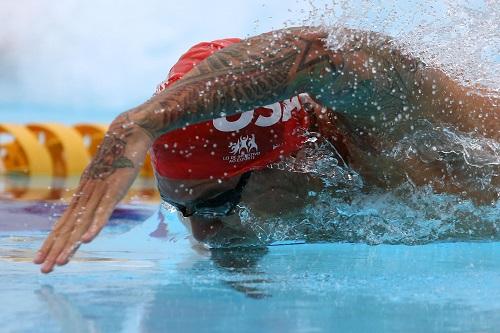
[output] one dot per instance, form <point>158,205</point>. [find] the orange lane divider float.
<point>67,151</point>
<point>50,149</point>
<point>22,153</point>
<point>92,135</point>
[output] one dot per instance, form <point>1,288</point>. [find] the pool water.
<point>440,273</point>
<point>150,277</point>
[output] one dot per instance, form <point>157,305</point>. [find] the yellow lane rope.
<point>22,153</point>
<point>51,149</point>
<point>66,148</point>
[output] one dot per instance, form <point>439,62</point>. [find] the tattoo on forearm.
<point>278,65</point>
<point>254,72</point>
<point>111,153</point>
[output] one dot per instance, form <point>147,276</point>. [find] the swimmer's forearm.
<point>235,79</point>
<point>281,64</point>
<point>255,72</point>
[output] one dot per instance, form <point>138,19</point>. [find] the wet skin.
<point>276,192</point>
<point>379,91</point>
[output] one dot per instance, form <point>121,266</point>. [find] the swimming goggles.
<point>221,205</point>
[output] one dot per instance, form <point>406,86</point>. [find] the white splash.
<point>460,37</point>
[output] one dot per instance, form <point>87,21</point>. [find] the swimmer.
<point>209,152</point>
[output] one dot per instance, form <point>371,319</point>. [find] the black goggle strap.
<point>225,202</point>
<point>221,204</point>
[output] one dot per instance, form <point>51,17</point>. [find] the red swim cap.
<point>227,146</point>
<point>193,57</point>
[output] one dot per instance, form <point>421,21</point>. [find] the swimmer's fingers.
<point>58,240</point>
<point>65,229</point>
<point>70,224</point>
<point>98,223</point>
<point>67,253</point>
<point>85,235</point>
<point>98,210</point>
<point>111,196</point>
<point>59,228</point>
<point>84,221</point>
<point>50,260</point>
<point>44,250</point>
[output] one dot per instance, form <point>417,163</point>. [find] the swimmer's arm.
<point>469,109</point>
<point>103,184</point>
<point>258,71</point>
<point>368,76</point>
<point>255,72</point>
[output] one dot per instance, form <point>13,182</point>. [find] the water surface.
<point>148,277</point>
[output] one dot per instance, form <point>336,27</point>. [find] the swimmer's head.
<point>203,205</point>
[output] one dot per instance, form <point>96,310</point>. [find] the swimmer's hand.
<point>103,184</point>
